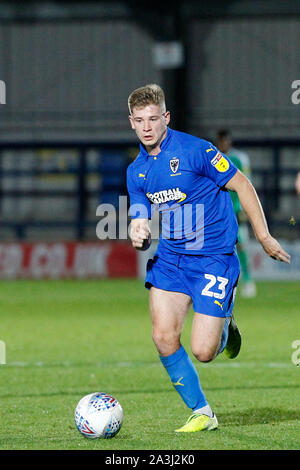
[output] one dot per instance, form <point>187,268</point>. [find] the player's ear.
<point>167,117</point>
<point>131,122</point>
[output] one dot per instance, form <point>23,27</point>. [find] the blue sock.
<point>184,377</point>
<point>224,335</point>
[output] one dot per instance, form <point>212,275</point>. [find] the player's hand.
<point>274,250</point>
<point>140,234</point>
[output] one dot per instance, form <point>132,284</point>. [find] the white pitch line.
<point>129,364</point>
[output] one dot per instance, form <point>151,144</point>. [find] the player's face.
<point>150,124</point>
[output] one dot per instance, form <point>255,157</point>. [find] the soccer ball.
<point>98,415</point>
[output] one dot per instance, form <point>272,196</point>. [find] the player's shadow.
<point>252,416</point>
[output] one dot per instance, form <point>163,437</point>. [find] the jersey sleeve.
<point>140,207</point>
<point>215,165</point>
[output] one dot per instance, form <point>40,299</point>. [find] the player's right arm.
<point>139,211</point>
<point>139,233</point>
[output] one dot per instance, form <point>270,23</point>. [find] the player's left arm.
<point>252,206</point>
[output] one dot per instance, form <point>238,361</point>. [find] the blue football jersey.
<point>185,182</point>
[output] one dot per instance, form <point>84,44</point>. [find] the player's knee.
<point>166,342</point>
<point>204,354</point>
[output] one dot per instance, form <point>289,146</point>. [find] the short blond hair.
<point>146,95</point>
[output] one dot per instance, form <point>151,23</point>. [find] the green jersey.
<point>241,161</point>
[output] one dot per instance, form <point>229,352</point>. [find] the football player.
<point>187,179</point>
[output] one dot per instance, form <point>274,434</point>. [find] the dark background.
<point>69,67</point>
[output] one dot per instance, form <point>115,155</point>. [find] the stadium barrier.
<point>265,268</point>
<point>74,260</point>
<point>116,259</point>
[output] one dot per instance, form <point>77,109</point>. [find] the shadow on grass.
<point>252,416</point>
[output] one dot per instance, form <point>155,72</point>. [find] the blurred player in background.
<point>186,179</point>
<point>242,162</point>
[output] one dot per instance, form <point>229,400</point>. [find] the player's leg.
<point>206,338</point>
<point>168,312</point>
<point>213,292</point>
<point>234,340</point>
<point>211,335</point>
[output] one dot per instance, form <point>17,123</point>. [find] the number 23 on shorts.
<point>213,280</point>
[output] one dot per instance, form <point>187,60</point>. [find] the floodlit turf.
<point>67,339</point>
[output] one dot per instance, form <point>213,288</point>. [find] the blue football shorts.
<point>210,280</point>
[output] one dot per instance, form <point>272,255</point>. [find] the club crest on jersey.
<point>174,164</point>
<point>220,163</point>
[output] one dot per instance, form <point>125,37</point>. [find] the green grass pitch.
<point>65,339</point>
